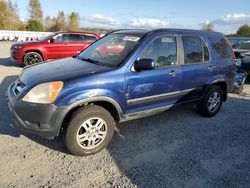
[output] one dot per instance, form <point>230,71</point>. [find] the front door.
<point>58,48</point>
<point>151,89</point>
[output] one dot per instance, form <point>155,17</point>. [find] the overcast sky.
<point>227,15</point>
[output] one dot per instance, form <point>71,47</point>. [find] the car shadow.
<point>6,120</point>
<point>177,148</point>
<point>180,148</point>
<point>8,63</point>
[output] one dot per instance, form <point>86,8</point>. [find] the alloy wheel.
<point>214,102</point>
<point>92,133</point>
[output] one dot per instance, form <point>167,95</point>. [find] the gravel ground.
<point>177,148</point>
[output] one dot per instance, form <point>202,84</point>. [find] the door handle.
<point>173,73</point>
<point>211,67</point>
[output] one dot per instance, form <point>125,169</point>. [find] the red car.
<point>54,46</point>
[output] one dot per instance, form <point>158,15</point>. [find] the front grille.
<point>17,87</point>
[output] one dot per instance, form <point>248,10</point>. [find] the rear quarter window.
<point>221,46</point>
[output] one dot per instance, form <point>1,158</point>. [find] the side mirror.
<point>144,64</point>
<point>51,40</point>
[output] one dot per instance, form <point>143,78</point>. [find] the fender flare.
<point>81,102</point>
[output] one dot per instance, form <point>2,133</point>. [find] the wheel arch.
<point>223,85</point>
<point>107,103</point>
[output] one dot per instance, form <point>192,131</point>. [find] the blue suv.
<point>125,75</point>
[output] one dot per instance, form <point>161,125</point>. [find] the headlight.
<point>45,93</point>
<point>17,47</point>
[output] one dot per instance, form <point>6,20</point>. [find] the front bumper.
<point>16,56</point>
<point>38,119</point>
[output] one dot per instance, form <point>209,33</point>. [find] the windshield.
<point>110,50</point>
<point>47,37</point>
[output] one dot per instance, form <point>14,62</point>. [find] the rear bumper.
<point>38,119</point>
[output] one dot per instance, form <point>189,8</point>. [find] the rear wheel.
<point>32,58</point>
<point>89,131</point>
<point>211,102</point>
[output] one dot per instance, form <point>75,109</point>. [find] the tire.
<point>206,108</point>
<point>32,58</point>
<point>83,130</point>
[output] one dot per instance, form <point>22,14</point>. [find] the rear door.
<point>196,69</point>
<point>78,42</point>
<point>224,58</point>
<point>151,89</point>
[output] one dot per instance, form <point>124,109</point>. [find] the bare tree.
<point>9,18</point>
<point>35,10</point>
<point>73,22</point>
<point>60,24</point>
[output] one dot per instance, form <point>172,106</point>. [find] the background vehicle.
<point>241,49</point>
<point>235,41</point>
<point>54,46</point>
<point>245,64</point>
<point>93,91</point>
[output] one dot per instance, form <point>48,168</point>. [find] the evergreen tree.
<point>244,31</point>
<point>35,25</point>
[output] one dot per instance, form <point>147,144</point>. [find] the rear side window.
<point>76,38</point>
<point>89,38</point>
<point>81,38</point>
<point>192,49</point>
<point>195,50</point>
<point>221,46</point>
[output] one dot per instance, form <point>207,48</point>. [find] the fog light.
<point>32,124</point>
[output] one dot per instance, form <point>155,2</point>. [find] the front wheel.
<point>89,131</point>
<point>211,102</point>
<point>32,58</point>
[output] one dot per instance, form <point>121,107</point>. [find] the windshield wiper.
<point>97,62</point>
<point>90,60</point>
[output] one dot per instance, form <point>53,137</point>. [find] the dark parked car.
<point>235,41</point>
<point>86,96</point>
<point>54,46</point>
<point>245,64</point>
<point>242,49</point>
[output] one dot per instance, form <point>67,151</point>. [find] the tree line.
<point>243,31</point>
<point>10,20</point>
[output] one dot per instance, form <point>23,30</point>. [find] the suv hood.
<point>60,70</point>
<point>27,42</point>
